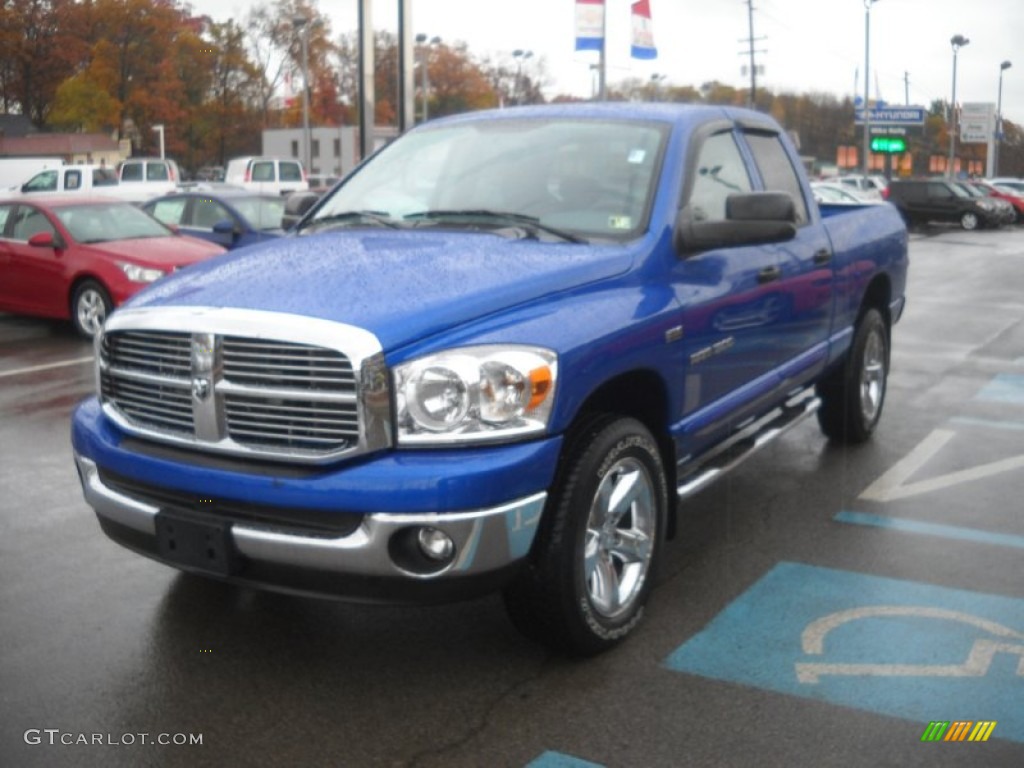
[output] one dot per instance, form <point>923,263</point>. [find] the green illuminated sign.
<point>888,144</point>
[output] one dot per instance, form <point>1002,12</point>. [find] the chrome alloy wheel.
<point>620,538</point>
<point>91,310</point>
<point>872,376</point>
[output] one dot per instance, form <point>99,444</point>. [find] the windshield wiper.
<point>377,217</point>
<point>530,223</point>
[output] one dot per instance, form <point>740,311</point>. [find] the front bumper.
<point>374,558</point>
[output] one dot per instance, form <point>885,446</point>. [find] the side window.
<point>156,172</point>
<point>291,172</point>
<point>263,171</point>
<point>42,182</point>
<point>30,221</point>
<point>103,177</point>
<point>777,171</point>
<point>72,179</point>
<point>5,214</point>
<point>720,172</point>
<point>206,213</point>
<point>131,172</point>
<point>168,211</point>
<point>939,192</point>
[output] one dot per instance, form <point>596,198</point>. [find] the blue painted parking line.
<point>932,529</point>
<point>898,648</point>
<point>1004,388</point>
<point>558,760</point>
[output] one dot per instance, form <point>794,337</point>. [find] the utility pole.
<point>906,88</point>
<point>751,52</point>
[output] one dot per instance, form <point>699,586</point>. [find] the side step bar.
<point>745,444</point>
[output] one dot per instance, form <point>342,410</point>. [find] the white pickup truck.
<point>87,179</point>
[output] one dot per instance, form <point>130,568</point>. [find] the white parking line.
<point>47,367</point>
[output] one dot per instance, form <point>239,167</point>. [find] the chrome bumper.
<point>485,540</point>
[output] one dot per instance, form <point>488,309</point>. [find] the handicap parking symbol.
<point>894,647</point>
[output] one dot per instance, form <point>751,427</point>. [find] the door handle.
<point>824,256</point>
<point>769,274</point>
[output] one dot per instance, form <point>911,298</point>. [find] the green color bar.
<point>935,731</point>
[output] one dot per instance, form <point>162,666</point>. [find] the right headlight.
<point>475,394</point>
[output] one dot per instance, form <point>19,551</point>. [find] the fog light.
<point>435,544</point>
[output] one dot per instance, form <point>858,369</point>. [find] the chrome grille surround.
<point>250,383</point>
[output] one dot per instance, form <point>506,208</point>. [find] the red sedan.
<point>77,259</point>
<point>1009,194</point>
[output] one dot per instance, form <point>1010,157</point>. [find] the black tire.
<point>969,220</point>
<point>590,572</point>
<point>853,396</point>
<point>90,305</point>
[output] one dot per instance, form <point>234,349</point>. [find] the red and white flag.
<point>643,31</point>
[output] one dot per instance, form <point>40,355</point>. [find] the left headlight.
<point>475,394</point>
<point>139,274</point>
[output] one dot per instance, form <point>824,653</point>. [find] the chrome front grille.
<point>278,398</point>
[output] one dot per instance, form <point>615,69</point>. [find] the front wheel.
<point>592,564</point>
<point>852,397</point>
<point>90,306</point>
<point>969,220</point>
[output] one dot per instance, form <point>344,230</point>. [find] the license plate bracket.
<point>196,542</point>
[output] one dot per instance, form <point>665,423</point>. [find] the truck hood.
<point>400,286</point>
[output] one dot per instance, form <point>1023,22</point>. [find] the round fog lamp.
<point>435,544</point>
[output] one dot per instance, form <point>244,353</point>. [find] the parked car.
<point>870,186</point>
<point>836,194</point>
<point>1004,209</point>
<point>146,177</point>
<point>923,200</point>
<point>497,356</point>
<point>1008,181</point>
<point>296,205</point>
<point>1014,197</point>
<point>78,258</point>
<point>227,217</point>
<point>82,180</point>
<point>267,175</point>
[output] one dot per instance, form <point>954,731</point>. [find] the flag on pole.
<point>643,31</point>
<point>589,25</point>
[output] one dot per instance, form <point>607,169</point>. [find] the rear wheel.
<point>90,305</point>
<point>853,396</point>
<point>969,220</point>
<point>591,568</point>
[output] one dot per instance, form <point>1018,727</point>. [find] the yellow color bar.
<point>983,730</point>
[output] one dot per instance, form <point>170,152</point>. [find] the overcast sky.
<point>809,45</point>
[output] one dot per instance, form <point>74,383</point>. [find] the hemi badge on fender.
<point>674,334</point>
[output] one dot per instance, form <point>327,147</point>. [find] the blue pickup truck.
<point>497,357</point>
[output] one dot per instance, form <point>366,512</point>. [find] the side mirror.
<point>751,218</point>
<point>45,240</point>
<point>225,231</point>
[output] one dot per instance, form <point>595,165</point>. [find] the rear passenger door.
<point>805,283</point>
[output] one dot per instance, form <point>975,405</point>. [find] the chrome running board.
<point>744,444</point>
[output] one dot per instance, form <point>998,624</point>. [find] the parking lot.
<point>819,607</point>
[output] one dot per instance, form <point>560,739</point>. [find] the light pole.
<point>999,120</point>
<point>656,81</point>
<point>520,56</point>
<point>422,41</point>
<point>957,42</point>
<point>160,129</point>
<point>301,23</point>
<point>867,85</point>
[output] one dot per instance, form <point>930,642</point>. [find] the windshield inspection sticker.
<point>894,647</point>
<point>636,156</point>
<point>620,222</point>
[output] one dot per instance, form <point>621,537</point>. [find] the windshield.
<point>100,222</point>
<point>591,178</point>
<point>261,212</point>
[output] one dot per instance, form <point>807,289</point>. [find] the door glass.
<point>720,172</point>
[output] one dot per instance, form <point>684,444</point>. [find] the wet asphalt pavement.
<point>894,572</point>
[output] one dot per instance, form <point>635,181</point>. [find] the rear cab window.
<point>777,171</point>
